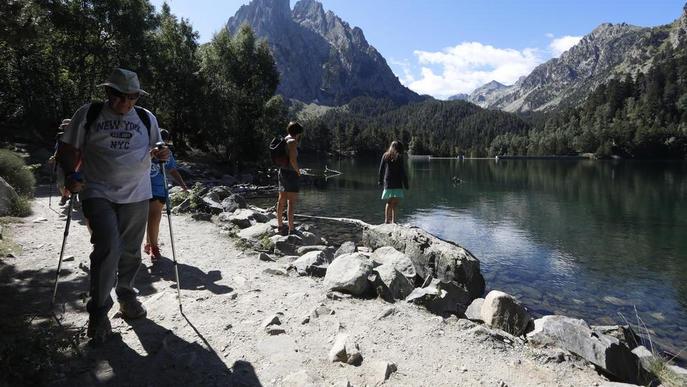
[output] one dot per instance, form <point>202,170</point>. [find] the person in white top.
<point>105,153</point>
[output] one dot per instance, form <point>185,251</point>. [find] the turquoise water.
<point>588,239</point>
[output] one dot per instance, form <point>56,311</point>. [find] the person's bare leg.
<point>394,204</point>
<point>154,217</point>
<point>292,199</point>
<point>387,211</point>
<point>281,203</point>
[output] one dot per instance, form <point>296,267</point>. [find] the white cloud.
<point>563,44</point>
<point>405,66</point>
<point>468,65</point>
<point>549,35</point>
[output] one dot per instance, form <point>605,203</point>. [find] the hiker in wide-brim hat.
<point>106,153</point>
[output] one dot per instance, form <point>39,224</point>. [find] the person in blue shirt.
<point>157,203</point>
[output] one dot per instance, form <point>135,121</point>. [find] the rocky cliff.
<point>320,58</point>
<point>609,51</point>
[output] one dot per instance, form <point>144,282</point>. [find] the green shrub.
<point>14,171</point>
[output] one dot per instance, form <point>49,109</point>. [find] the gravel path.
<point>220,340</point>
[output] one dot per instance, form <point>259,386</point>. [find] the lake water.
<point>587,239</point>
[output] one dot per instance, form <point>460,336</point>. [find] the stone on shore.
<point>312,263</point>
<point>503,311</point>
<point>348,273</point>
<point>474,310</point>
<point>577,337</point>
<point>400,261</point>
<point>233,202</point>
<point>345,350</point>
<point>345,248</point>
<point>442,298</point>
<point>390,283</point>
<point>255,232</point>
<point>430,255</point>
<point>306,249</point>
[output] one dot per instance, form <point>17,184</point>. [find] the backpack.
<point>278,152</point>
<point>97,106</point>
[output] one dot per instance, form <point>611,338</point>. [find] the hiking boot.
<point>155,253</point>
<point>63,200</point>
<point>283,230</point>
<point>131,308</point>
<point>99,329</point>
<point>146,248</point>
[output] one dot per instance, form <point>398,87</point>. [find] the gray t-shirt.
<point>115,154</point>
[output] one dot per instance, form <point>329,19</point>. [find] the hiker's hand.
<point>73,182</point>
<point>161,154</point>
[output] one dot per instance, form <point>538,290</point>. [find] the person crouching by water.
<point>393,176</point>
<point>159,199</point>
<point>289,177</point>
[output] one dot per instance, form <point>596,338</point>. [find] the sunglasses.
<point>120,95</point>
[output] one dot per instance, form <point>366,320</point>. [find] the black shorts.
<point>159,199</point>
<point>288,180</point>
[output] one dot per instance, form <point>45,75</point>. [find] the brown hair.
<point>394,152</point>
<point>294,128</point>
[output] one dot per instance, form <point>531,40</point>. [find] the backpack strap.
<point>145,118</point>
<point>93,112</point>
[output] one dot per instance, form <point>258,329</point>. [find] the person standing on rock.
<point>105,153</point>
<point>159,199</point>
<point>289,177</point>
<point>392,176</point>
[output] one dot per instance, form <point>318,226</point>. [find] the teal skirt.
<point>392,193</point>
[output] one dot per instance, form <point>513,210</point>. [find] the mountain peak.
<point>320,58</point>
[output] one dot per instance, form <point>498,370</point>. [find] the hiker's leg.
<point>131,226</point>
<point>281,203</point>
<point>387,211</point>
<point>102,221</point>
<point>154,217</point>
<point>292,198</point>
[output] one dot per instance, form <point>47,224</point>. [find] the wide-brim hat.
<point>124,81</point>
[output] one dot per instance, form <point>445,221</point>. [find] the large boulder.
<point>442,298</point>
<point>430,255</point>
<point>8,196</point>
<point>474,310</point>
<point>401,262</point>
<point>391,284</point>
<point>348,273</point>
<point>577,337</point>
<point>244,217</point>
<point>503,311</point>
<point>286,245</point>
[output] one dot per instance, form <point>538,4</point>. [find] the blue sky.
<point>444,47</point>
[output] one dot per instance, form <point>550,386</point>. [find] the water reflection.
<point>585,238</point>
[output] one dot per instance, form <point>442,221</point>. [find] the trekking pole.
<point>64,242</point>
<point>53,177</point>
<point>160,145</point>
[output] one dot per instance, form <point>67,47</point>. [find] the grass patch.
<point>266,243</point>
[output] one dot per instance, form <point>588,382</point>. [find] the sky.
<point>446,47</point>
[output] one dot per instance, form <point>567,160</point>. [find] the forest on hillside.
<point>630,117</point>
<point>218,97</point>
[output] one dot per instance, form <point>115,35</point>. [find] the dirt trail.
<point>226,294</point>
